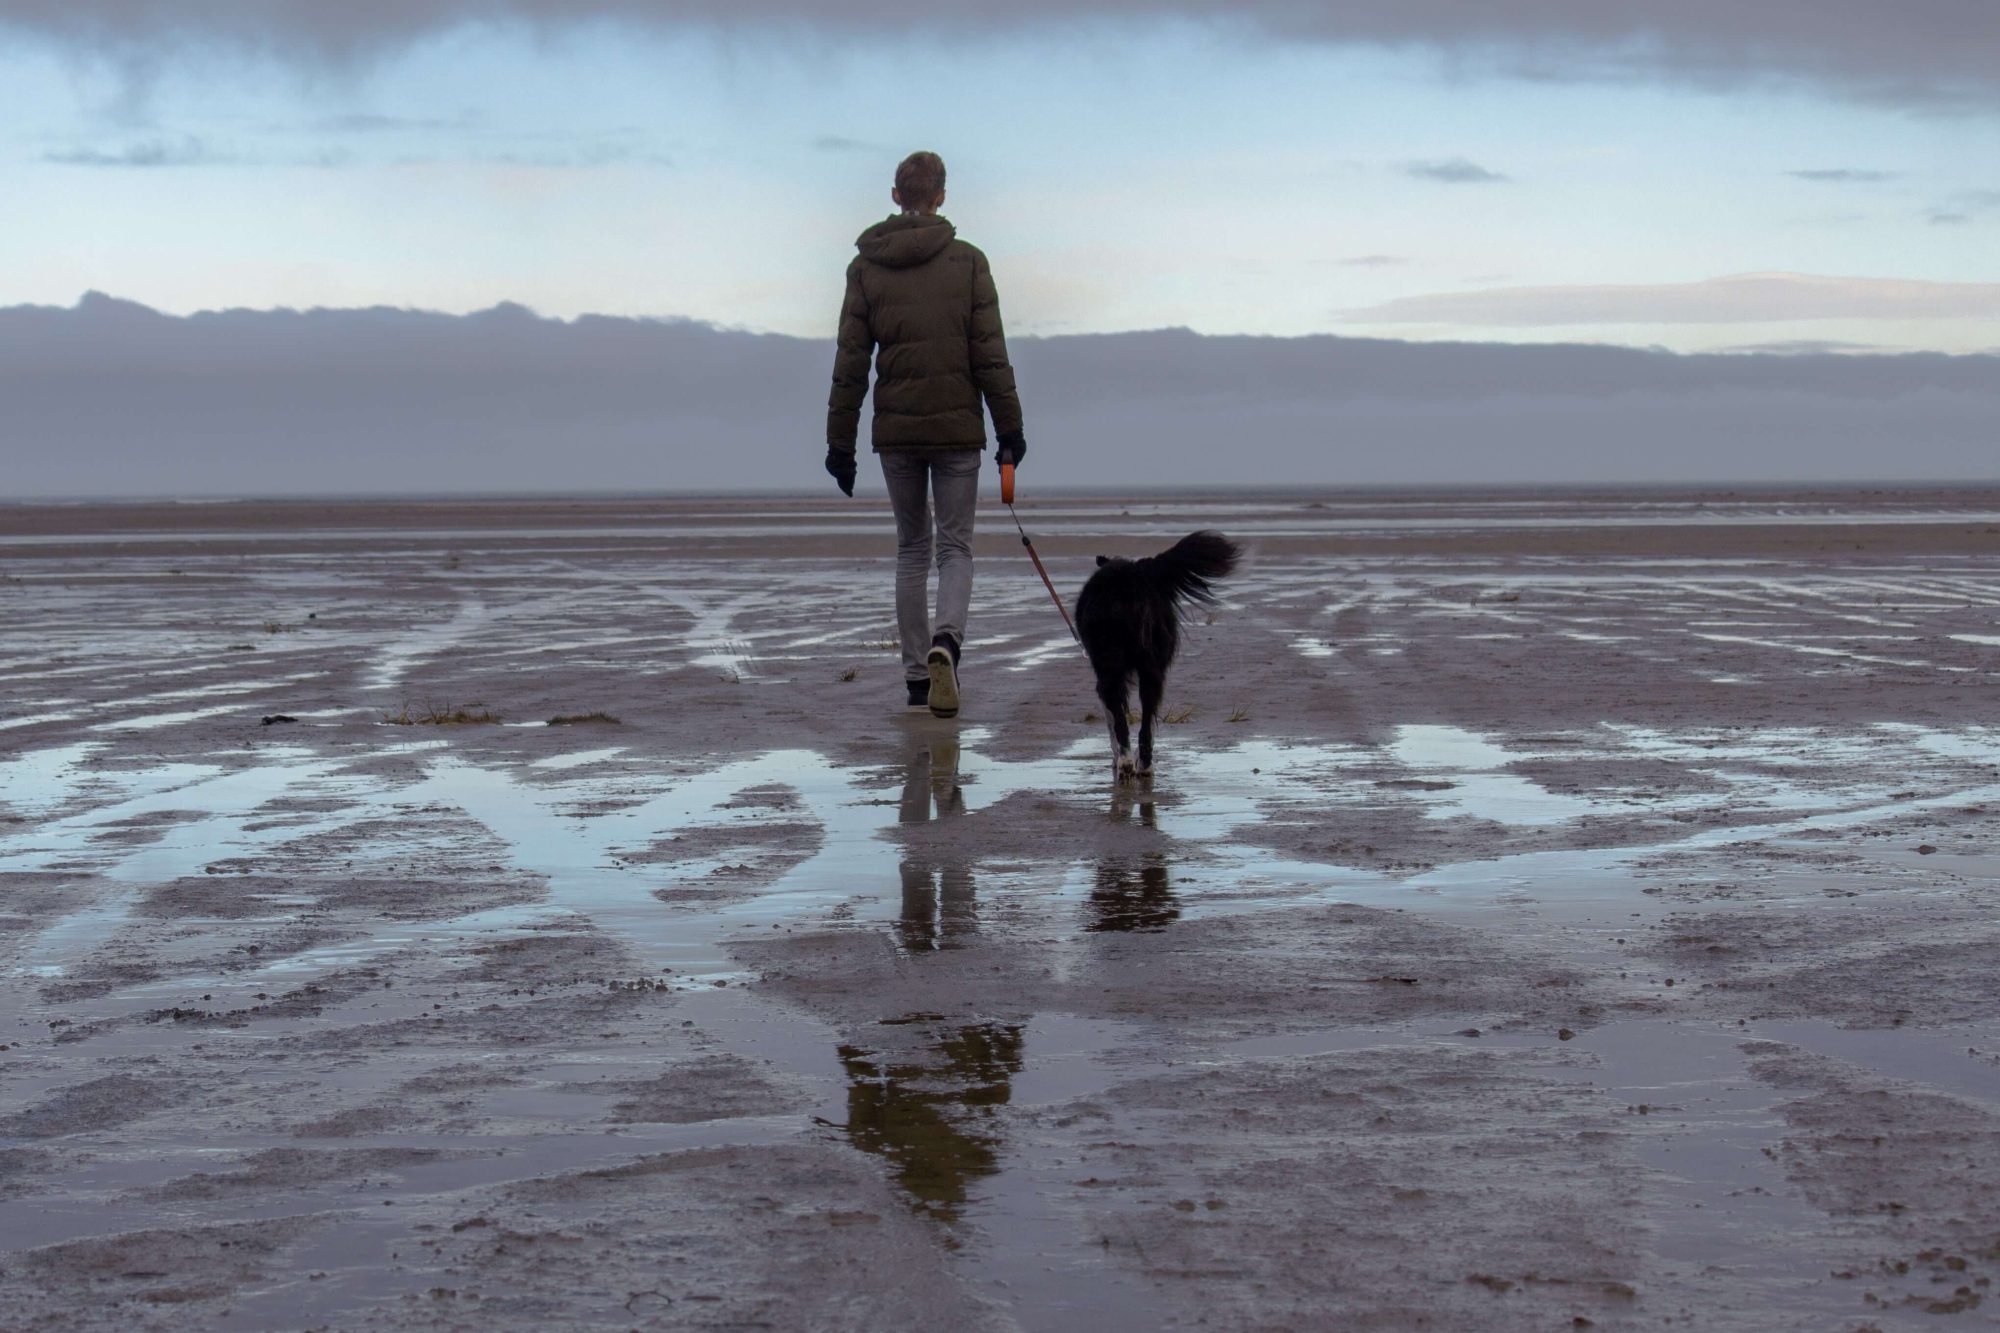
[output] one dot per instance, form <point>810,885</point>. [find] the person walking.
<point>921,305</point>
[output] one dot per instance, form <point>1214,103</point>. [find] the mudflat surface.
<point>1549,912</point>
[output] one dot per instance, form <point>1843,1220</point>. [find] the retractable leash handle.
<point>1007,484</point>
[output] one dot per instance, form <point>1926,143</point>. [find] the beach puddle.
<point>1132,894</point>
<point>1961,1061</point>
<point>1477,787</point>
<point>33,720</point>
<point>928,1111</point>
<point>1702,1128</point>
<point>157,721</point>
<point>930,1095</point>
<point>1718,1201</point>
<point>674,866</point>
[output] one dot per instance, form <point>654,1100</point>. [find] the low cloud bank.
<point>109,398</point>
<point>1741,298</point>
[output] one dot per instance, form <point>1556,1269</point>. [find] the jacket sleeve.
<point>851,359</point>
<point>991,370</point>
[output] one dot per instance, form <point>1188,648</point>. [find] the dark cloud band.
<point>1916,52</point>
<point>1453,171</point>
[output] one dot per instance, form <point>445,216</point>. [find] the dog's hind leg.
<point>1112,694</point>
<point>1151,687</point>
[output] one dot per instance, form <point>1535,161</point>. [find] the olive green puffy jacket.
<point>922,302</point>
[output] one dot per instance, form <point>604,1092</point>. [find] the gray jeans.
<point>914,476</point>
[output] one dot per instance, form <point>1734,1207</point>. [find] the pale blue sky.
<point>1129,176</point>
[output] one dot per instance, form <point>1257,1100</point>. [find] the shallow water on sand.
<point>573,820</point>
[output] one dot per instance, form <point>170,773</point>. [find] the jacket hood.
<point>905,240</point>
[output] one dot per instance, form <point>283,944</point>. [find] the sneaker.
<point>943,662</point>
<point>920,693</point>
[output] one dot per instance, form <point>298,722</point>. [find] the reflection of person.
<point>922,303</point>
<point>931,1116</point>
<point>938,900</point>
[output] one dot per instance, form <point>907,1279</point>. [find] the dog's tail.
<point>1184,570</point>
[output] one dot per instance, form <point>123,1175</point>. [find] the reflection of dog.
<point>1128,617</point>
<point>1133,897</point>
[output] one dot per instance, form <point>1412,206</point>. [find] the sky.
<point>1796,175</point>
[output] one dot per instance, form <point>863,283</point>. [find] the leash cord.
<point>1054,596</point>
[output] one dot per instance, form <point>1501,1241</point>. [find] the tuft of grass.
<point>459,717</point>
<point>276,627</point>
<point>849,674</point>
<point>597,719</point>
<point>1237,715</point>
<point>1175,716</point>
<point>435,716</point>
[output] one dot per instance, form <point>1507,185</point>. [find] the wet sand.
<point>1549,912</point>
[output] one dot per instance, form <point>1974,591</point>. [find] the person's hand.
<point>840,466</point>
<point>1011,448</point>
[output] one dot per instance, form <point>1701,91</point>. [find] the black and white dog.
<point>1129,618</point>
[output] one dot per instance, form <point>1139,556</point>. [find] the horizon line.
<point>93,298</point>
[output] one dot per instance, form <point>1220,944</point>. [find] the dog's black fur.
<point>1128,616</point>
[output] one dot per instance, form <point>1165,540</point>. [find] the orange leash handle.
<point>1006,483</point>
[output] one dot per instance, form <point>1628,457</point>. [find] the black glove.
<point>1010,448</point>
<point>840,466</point>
